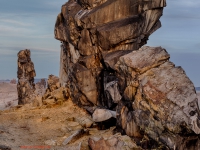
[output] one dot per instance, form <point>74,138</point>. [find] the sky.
<point>29,24</point>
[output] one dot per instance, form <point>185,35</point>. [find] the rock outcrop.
<point>25,75</point>
<point>158,98</point>
<point>92,31</point>
<point>54,93</point>
<point>104,66</point>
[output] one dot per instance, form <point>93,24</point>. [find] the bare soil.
<point>36,128</point>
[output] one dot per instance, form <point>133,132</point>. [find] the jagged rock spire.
<point>25,74</point>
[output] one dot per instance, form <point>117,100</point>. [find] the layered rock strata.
<point>25,75</point>
<point>105,66</point>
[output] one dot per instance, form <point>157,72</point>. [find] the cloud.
<point>10,50</point>
<point>11,30</point>
<point>188,3</point>
<point>14,22</point>
<point>31,6</point>
<point>182,9</point>
<point>184,3</point>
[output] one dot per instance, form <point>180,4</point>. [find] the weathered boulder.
<point>52,85</point>
<point>104,66</point>
<point>100,115</point>
<point>25,74</point>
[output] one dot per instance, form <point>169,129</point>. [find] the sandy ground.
<point>21,127</point>
<point>44,127</point>
<point>8,95</point>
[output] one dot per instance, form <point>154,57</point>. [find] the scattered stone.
<point>76,147</point>
<point>100,115</point>
<point>50,142</point>
<point>52,84</point>
<point>84,121</point>
<point>74,125</point>
<point>77,134</point>
<point>55,94</point>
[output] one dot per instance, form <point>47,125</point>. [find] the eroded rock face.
<point>105,66</point>
<point>158,97</point>
<point>25,74</point>
<point>115,142</point>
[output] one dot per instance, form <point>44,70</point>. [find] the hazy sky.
<point>30,24</point>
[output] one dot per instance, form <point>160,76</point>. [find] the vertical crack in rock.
<point>105,66</point>
<point>25,75</point>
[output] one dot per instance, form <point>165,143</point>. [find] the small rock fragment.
<point>77,134</point>
<point>100,115</point>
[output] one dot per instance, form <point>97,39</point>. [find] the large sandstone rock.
<point>105,66</point>
<point>91,29</point>
<point>25,74</point>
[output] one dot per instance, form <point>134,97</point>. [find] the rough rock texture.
<point>54,92</point>
<point>115,142</point>
<point>91,30</point>
<point>105,66</point>
<point>159,98</point>
<point>25,74</point>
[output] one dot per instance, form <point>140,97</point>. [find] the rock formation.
<point>25,75</point>
<point>105,66</point>
<point>91,31</point>
<point>54,93</point>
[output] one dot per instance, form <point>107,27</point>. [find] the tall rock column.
<point>25,75</point>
